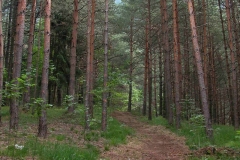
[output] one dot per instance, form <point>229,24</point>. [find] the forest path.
<point>148,143</point>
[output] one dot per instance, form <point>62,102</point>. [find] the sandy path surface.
<point>148,143</point>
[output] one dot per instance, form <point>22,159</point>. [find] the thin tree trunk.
<point>73,56</point>
<point>205,105</point>
<point>30,52</point>
<point>131,66</point>
<point>92,37</point>
<point>87,105</point>
<point>145,89</point>
<point>205,42</point>
<point>233,66</point>
<point>42,127</point>
<point>1,61</point>
<point>167,73</point>
<point>18,47</point>
<point>12,35</point>
<point>160,77</point>
<point>105,77</point>
<point>148,49</point>
<point>176,64</point>
<point>155,83</point>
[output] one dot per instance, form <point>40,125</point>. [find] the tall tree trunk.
<point>205,105</point>
<point>131,66</point>
<point>1,61</point>
<point>92,37</point>
<point>205,45</point>
<point>42,127</point>
<point>18,47</point>
<point>88,71</point>
<point>105,77</point>
<point>233,67</point>
<point>12,36</point>
<point>160,76</point>
<point>30,52</point>
<point>155,83</point>
<point>167,73</point>
<point>176,64</point>
<point>73,56</point>
<point>148,49</point>
<point>145,89</point>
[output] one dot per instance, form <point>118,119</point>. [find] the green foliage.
<point>68,101</point>
<point>39,104</point>
<point>15,89</point>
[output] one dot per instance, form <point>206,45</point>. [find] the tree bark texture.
<point>176,64</point>
<point>88,71</point>
<point>42,127</point>
<point>18,47</point>
<point>233,66</point>
<point>167,72</point>
<point>148,49</point>
<point>105,77</point>
<point>92,38</point>
<point>203,94</point>
<point>73,55</point>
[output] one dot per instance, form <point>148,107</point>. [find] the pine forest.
<point>119,79</point>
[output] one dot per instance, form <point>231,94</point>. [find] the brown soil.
<point>148,143</point>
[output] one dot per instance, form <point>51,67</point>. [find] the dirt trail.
<point>148,143</point>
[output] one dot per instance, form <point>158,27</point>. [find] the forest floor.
<point>148,143</point>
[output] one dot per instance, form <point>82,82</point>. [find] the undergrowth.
<point>57,146</point>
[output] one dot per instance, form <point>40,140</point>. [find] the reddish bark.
<point>176,64</point>
<point>233,66</point>
<point>92,37</point>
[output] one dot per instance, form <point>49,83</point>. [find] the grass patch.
<point>50,151</point>
<point>116,132</point>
